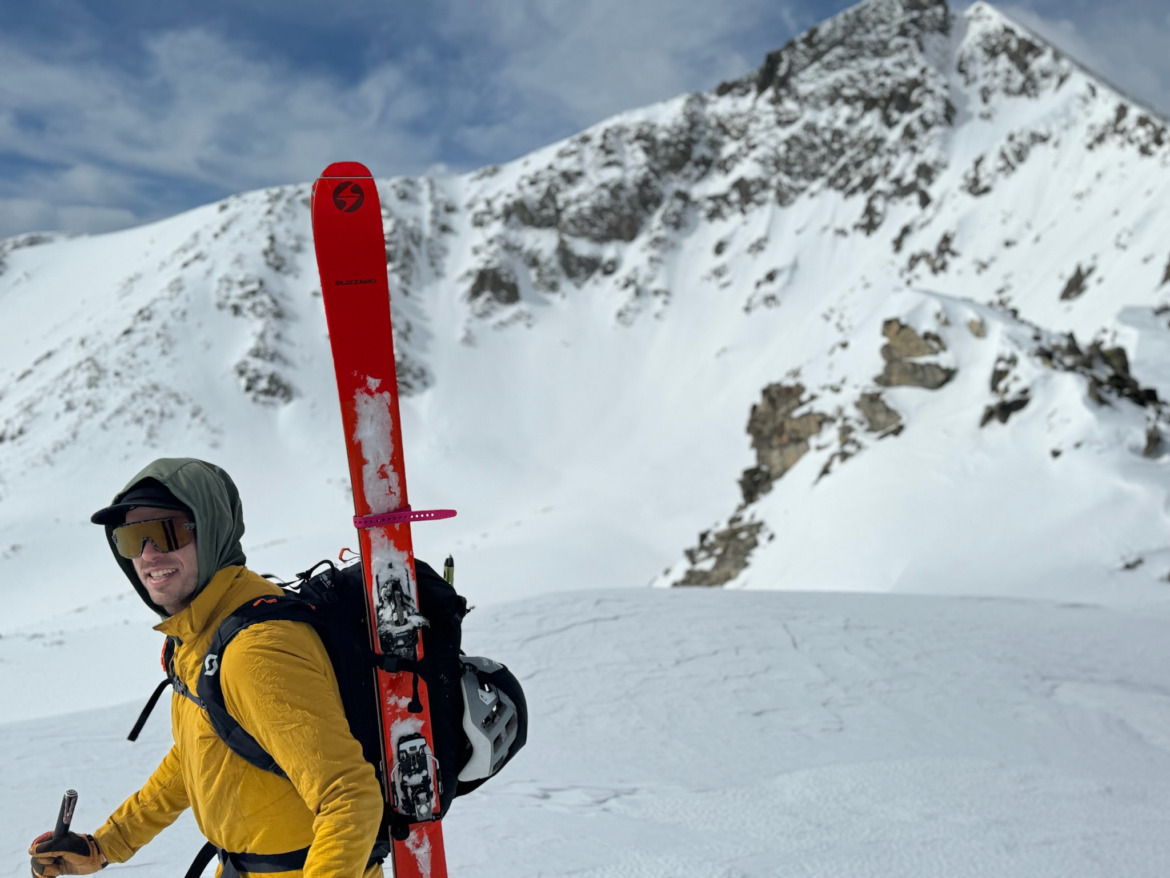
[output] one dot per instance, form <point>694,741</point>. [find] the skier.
<point>175,532</point>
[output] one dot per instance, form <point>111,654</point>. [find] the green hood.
<point>219,518</point>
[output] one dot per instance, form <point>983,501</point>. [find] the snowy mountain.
<point>922,256</point>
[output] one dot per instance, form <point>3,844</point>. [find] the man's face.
<point>170,578</point>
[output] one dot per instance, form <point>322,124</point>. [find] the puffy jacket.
<point>278,683</point>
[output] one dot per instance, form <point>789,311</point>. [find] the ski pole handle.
<point>65,816</point>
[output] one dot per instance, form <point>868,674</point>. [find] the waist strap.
<point>256,864</point>
<point>293,861</point>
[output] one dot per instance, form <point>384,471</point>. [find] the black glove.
<point>71,854</point>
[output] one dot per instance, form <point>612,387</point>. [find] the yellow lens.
<point>167,535</point>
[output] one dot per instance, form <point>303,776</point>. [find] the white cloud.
<point>201,112</point>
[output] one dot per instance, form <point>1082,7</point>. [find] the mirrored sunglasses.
<point>167,535</point>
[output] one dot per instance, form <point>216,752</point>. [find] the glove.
<point>71,854</point>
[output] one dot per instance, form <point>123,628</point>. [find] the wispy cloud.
<point>200,114</point>
<point>106,121</point>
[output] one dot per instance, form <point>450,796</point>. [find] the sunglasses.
<point>167,535</point>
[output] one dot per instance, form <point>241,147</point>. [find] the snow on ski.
<point>351,257</point>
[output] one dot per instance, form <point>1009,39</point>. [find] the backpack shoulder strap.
<point>210,689</point>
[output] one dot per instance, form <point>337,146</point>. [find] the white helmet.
<point>491,717</point>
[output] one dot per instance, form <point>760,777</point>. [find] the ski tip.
<point>349,170</point>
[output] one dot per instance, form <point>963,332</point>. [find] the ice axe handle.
<point>65,816</point>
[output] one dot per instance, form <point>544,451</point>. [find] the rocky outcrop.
<point>1077,284</point>
<point>1106,371</point>
<point>879,417</point>
<point>721,554</point>
<point>496,284</point>
<point>779,436</point>
<point>259,370</point>
<point>901,353</point>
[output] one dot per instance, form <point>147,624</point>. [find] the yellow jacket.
<point>278,684</point>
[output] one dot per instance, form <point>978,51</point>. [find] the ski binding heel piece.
<point>414,780</point>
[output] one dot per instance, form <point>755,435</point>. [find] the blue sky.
<point>117,112</point>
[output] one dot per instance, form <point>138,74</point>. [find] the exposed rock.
<point>879,417</point>
<point>1077,284</point>
<point>1155,442</point>
<point>780,437</point>
<point>1106,370</point>
<point>721,555</point>
<point>497,284</point>
<point>543,214</point>
<point>265,386</point>
<point>847,446</point>
<point>1117,360</point>
<point>576,267</point>
<point>929,376</point>
<point>939,260</point>
<point>1004,61</point>
<point>978,328</point>
<point>1137,130</point>
<point>906,344</point>
<point>999,373</point>
<point>1003,409</point>
<point>615,212</point>
<point>249,297</point>
<point>976,180</point>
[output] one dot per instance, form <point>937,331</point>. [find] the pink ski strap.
<point>400,516</point>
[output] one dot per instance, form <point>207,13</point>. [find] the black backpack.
<point>461,689</point>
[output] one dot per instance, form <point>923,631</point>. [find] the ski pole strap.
<point>401,516</point>
<point>150,703</point>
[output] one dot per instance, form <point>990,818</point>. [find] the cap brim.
<point>116,513</point>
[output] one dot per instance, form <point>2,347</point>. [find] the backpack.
<point>479,716</point>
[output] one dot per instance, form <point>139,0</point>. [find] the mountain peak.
<point>873,29</point>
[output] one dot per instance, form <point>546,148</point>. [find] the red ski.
<point>351,256</point>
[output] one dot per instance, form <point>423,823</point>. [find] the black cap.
<point>148,492</point>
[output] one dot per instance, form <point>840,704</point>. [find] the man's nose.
<point>149,549</point>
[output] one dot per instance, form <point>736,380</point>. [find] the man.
<point>175,532</point>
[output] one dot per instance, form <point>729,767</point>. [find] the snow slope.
<point>699,733</point>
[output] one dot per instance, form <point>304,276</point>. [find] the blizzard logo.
<point>211,665</point>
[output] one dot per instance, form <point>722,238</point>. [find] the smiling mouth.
<point>157,575</point>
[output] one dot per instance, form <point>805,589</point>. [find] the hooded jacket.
<point>278,683</point>
<point>209,492</point>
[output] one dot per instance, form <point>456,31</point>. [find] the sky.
<point>118,112</point>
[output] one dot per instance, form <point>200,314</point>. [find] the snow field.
<point>754,734</point>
